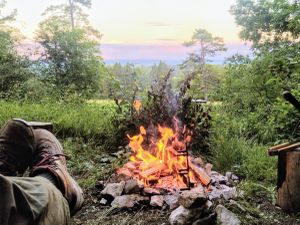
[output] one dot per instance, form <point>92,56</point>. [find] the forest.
<point>94,107</point>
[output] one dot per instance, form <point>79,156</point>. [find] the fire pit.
<point>161,173</point>
<point>164,163</point>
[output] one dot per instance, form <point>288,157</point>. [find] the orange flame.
<point>160,164</point>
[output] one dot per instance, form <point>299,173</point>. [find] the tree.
<point>14,69</point>
<point>253,86</point>
<point>268,21</point>
<point>208,47</point>
<point>72,57</point>
<point>72,8</point>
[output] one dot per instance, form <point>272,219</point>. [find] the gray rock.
<point>192,198</point>
<point>104,160</point>
<point>228,175</point>
<point>226,217</point>
<point>132,187</point>
<point>228,192</point>
<point>232,177</point>
<point>172,200</point>
<point>207,220</point>
<point>113,190</point>
<point>183,216</point>
<point>151,191</point>
<point>117,178</point>
<point>103,201</point>
<point>223,192</point>
<point>217,178</point>
<point>208,207</point>
<point>128,201</point>
<point>157,201</point>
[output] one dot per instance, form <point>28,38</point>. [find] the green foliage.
<point>232,152</point>
<point>84,161</point>
<point>86,120</point>
<point>266,21</point>
<point>161,106</point>
<point>14,69</point>
<point>197,61</point>
<point>72,58</point>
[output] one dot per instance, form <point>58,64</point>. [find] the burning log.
<point>200,174</point>
<point>154,170</point>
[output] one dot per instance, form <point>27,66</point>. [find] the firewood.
<point>200,174</point>
<point>132,165</point>
<point>284,148</point>
<point>152,171</point>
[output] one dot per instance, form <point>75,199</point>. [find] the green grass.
<point>86,130</point>
<point>232,151</point>
<point>86,120</point>
<point>84,161</point>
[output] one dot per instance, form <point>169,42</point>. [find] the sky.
<point>145,31</point>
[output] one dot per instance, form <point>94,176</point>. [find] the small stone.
<point>208,206</point>
<point>117,178</point>
<point>157,201</point>
<point>228,175</point>
<point>183,216</point>
<point>222,192</point>
<point>104,160</point>
<point>207,220</point>
<point>217,178</point>
<point>103,201</point>
<point>229,192</point>
<point>172,200</point>
<point>113,190</point>
<point>151,191</point>
<point>192,198</point>
<point>226,217</point>
<point>129,201</point>
<point>132,187</point>
<point>231,176</point>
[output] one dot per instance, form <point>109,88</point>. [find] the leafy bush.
<point>162,105</point>
<point>232,152</point>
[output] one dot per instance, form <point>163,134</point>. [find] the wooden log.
<point>200,174</point>
<point>145,174</point>
<point>288,182</point>
<point>283,148</point>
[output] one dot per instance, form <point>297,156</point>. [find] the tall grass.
<point>86,120</point>
<point>231,151</point>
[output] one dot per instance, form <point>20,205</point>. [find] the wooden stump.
<point>288,183</point>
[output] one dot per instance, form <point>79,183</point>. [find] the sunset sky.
<point>145,30</point>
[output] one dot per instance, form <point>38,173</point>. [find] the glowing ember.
<point>164,163</point>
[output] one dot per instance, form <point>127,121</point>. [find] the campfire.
<point>162,160</point>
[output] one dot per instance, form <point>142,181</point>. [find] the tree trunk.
<point>72,14</point>
<point>288,183</point>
